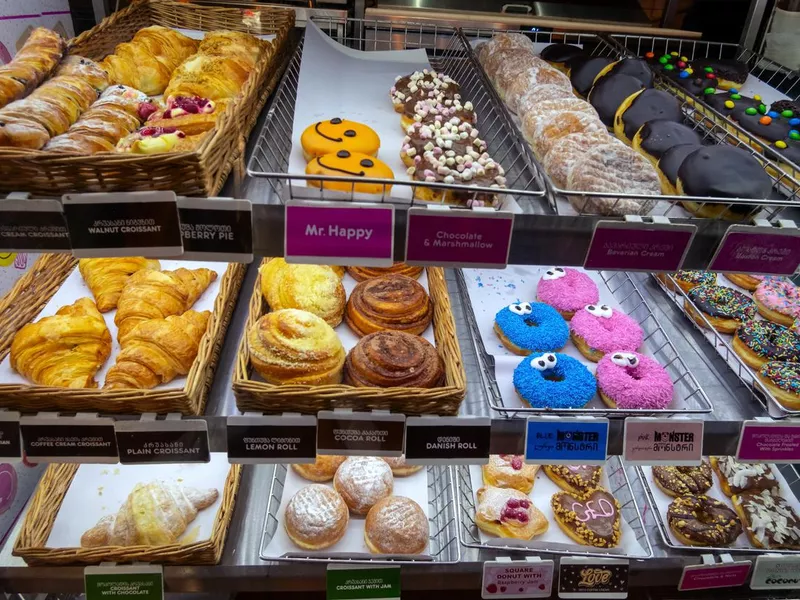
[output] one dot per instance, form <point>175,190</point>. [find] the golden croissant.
<point>158,350</point>
<point>64,350</point>
<point>151,294</point>
<point>32,64</point>
<point>153,514</point>
<point>107,276</point>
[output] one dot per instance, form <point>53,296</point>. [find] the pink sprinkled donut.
<point>778,300</point>
<point>567,290</point>
<point>597,329</point>
<point>631,380</point>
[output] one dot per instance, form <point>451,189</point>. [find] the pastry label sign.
<point>663,441</point>
<point>776,572</point>
<point>362,583</point>
<point>593,578</point>
<point>219,229</point>
<point>30,225</point>
<point>123,224</point>
<point>710,576</point>
<point>766,250</point>
<point>50,438</point>
<point>448,440</point>
<point>360,433</point>
<point>272,439</point>
<point>451,238</point>
<point>170,441</point>
<point>137,582</point>
<point>517,579</point>
<point>769,441</point>
<point>554,441</point>
<point>339,233</point>
<point>10,441</point>
<point>631,246</point>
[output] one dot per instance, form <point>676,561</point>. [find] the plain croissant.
<point>153,514</point>
<point>64,350</point>
<point>107,276</point>
<point>158,350</point>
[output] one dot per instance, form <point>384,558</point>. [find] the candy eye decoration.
<point>554,273</point>
<point>523,308</point>
<point>625,359</point>
<point>600,310</point>
<point>544,362</point>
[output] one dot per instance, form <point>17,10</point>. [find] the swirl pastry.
<point>316,289</point>
<point>398,268</point>
<point>363,481</point>
<point>322,469</point>
<point>293,346</point>
<point>396,525</point>
<point>392,302</point>
<point>316,517</point>
<point>393,359</point>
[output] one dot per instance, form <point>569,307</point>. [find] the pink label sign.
<point>339,233</point>
<point>517,579</point>
<point>705,577</point>
<point>663,441</point>
<point>458,238</point>
<point>769,442</point>
<point>638,246</point>
<point>760,250</point>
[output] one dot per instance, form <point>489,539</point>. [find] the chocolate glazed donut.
<point>680,481</point>
<point>703,521</point>
<point>390,302</point>
<point>393,359</point>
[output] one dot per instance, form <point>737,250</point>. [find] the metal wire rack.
<point>443,546</point>
<point>446,53</point>
<point>689,396</point>
<point>619,486</point>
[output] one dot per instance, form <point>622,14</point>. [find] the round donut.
<point>597,329</point>
<point>541,93</point>
<point>509,71</point>
<point>328,137</point>
<point>316,517</point>
<point>524,328</point>
<point>543,131</point>
<point>782,380</point>
<point>399,466</point>
<point>687,280</point>
<point>633,67</point>
<point>554,381</point>
<point>759,342</point>
<point>421,85</point>
<point>703,521</point>
<point>778,300</point>
<point>641,107</point>
<point>547,109</point>
<point>353,165</point>
<point>566,152</point>
<point>322,469</point>
<point>723,307</point>
<point>363,481</point>
<point>584,71</point>
<point>567,290</point>
<point>683,481</point>
<point>630,380</point>
<point>532,78</point>
<point>611,91</point>
<point>748,281</point>
<point>396,525</point>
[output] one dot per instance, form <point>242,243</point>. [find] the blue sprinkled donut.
<point>528,327</point>
<point>554,380</point>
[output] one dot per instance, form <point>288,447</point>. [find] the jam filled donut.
<point>634,67</point>
<point>641,107</point>
<point>610,92</point>
<point>421,85</point>
<point>566,152</point>
<point>326,137</point>
<point>769,520</point>
<point>396,526</point>
<point>508,513</point>
<point>554,381</point>
<point>350,164</point>
<point>567,290</point>
<point>524,328</point>
<point>630,380</point>
<point>782,380</point>
<point>748,281</point>
<point>688,280</point>
<point>703,521</point>
<point>443,140</point>
<point>759,342</point>
<point>655,137</point>
<point>559,55</point>
<point>778,300</point>
<point>362,481</point>
<point>591,518</point>
<point>509,471</point>
<point>723,307</point>
<point>683,481</point>
<point>531,78</point>
<point>669,164</point>
<point>574,478</point>
<point>316,517</point>
<point>597,329</point>
<point>737,477</point>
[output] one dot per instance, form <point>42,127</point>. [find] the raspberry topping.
<point>516,463</point>
<point>513,503</point>
<point>157,131</point>
<point>146,109</point>
<point>515,510</point>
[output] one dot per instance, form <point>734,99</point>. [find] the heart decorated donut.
<point>591,518</point>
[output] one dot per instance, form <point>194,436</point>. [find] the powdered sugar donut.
<point>631,380</point>
<point>567,151</point>
<point>542,132</point>
<point>541,93</point>
<point>533,77</point>
<point>598,329</point>
<point>567,290</point>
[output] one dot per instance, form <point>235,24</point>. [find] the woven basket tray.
<point>258,395</point>
<point>198,173</point>
<point>46,503</point>
<point>47,275</point>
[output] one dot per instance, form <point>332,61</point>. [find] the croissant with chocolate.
<point>389,302</point>
<point>32,64</point>
<point>107,276</point>
<point>393,359</point>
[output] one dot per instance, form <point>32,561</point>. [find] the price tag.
<point>530,578</point>
<point>566,441</point>
<point>362,583</point>
<point>33,225</point>
<point>254,439</point>
<point>580,577</point>
<point>456,238</point>
<point>769,441</point>
<point>776,572</point>
<point>123,224</point>
<point>10,441</point>
<point>360,433</point>
<point>218,229</point>
<point>711,575</point>
<point>339,233</point>
<point>136,582</point>
<point>638,246</point>
<point>172,440</point>
<point>448,440</point>
<point>48,438</point>
<point>759,249</point>
<point>676,442</point>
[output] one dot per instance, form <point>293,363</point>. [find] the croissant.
<point>107,276</point>
<point>64,350</point>
<point>158,350</point>
<point>153,514</point>
<point>151,294</point>
<point>33,63</point>
<point>85,69</point>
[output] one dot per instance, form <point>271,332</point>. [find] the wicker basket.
<point>198,173</point>
<point>257,395</point>
<point>47,275</point>
<point>46,502</point>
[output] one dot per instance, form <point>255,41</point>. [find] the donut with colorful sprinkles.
<point>526,327</point>
<point>723,308</point>
<point>759,342</point>
<point>782,380</point>
<point>554,380</point>
<point>778,300</point>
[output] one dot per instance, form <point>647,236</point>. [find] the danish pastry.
<point>345,163</point>
<point>316,289</point>
<point>396,525</point>
<point>316,517</point>
<point>328,137</point>
<point>393,359</point>
<point>591,518</point>
<point>398,268</point>
<point>399,466</point>
<point>508,513</point>
<point>362,482</point>
<point>393,302</point>
<point>321,470</point>
<point>509,471</point>
<point>31,65</point>
<point>155,140</point>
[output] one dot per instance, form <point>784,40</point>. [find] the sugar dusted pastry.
<point>314,288</point>
<point>509,471</point>
<point>399,466</point>
<point>322,469</point>
<point>396,525</point>
<point>316,517</point>
<point>363,481</point>
<point>508,513</point>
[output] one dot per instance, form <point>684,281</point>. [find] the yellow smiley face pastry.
<point>327,137</point>
<point>350,164</point>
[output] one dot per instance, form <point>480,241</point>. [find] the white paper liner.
<point>555,538</point>
<point>352,544</point>
<point>74,287</point>
<point>100,490</point>
<point>197,34</point>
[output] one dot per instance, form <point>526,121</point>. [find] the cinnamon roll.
<point>315,288</point>
<point>392,302</point>
<point>399,268</point>
<point>393,359</point>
